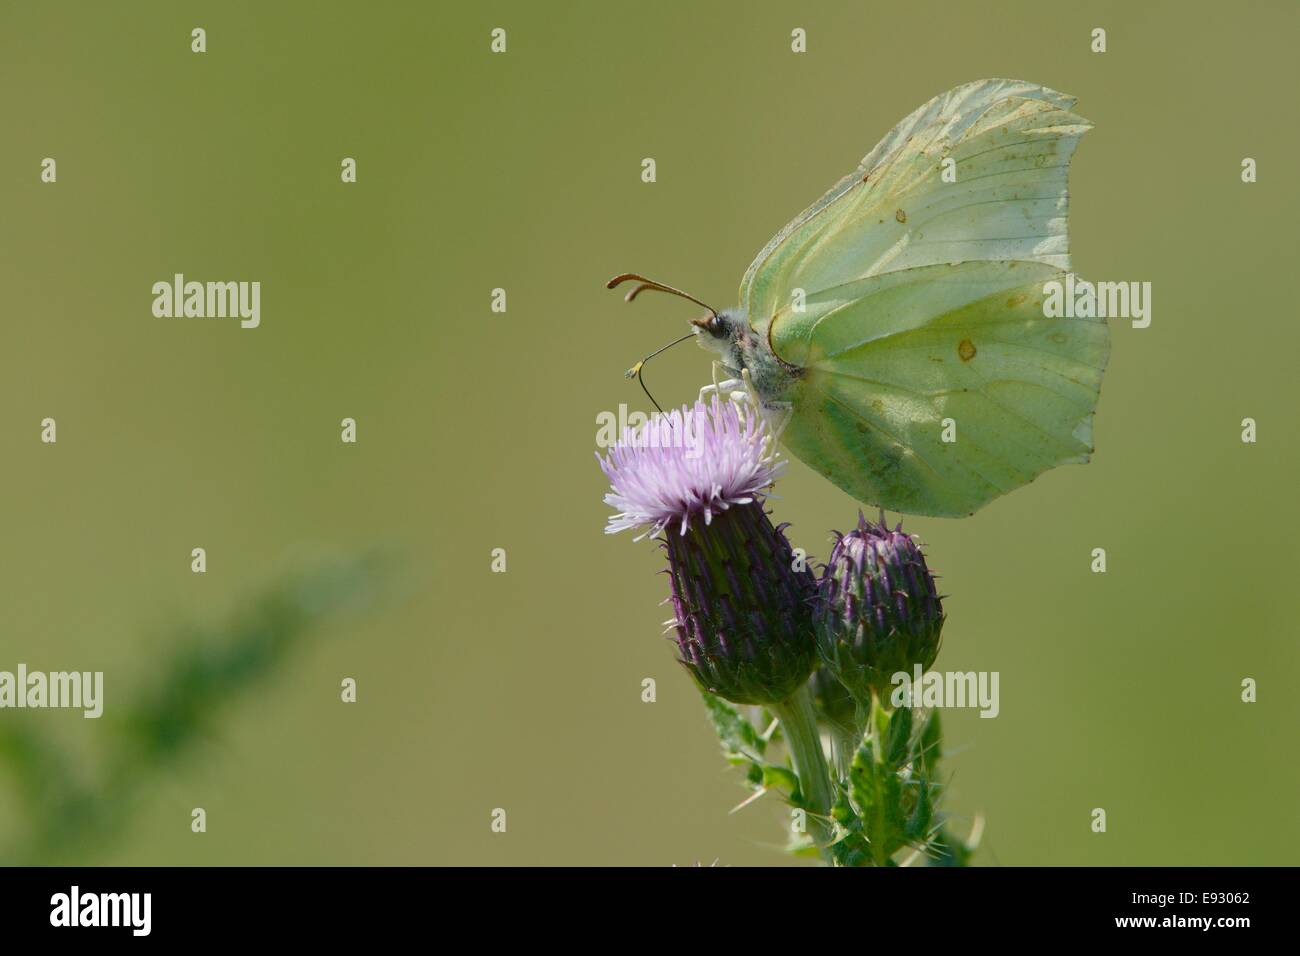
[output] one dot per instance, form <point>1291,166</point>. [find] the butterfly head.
<point>726,332</point>
<point>722,332</point>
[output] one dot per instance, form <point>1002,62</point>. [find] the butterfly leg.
<point>777,414</point>
<point>727,388</point>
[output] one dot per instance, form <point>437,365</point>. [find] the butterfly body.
<point>741,352</point>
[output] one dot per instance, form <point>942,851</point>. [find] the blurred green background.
<point>475,171</point>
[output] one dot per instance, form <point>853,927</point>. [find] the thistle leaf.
<point>781,778</point>
<point>931,748</point>
<point>918,824</point>
<point>737,735</point>
<point>899,738</point>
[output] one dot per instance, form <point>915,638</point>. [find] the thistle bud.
<point>877,609</point>
<point>742,603</point>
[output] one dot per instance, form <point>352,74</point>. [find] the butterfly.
<point>897,324</point>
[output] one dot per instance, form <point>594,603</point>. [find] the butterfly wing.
<point>935,389</point>
<point>908,299</point>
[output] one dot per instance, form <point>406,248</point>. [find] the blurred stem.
<point>68,818</point>
<point>799,722</point>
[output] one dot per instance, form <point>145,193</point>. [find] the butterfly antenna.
<point>643,284</point>
<point>635,370</point>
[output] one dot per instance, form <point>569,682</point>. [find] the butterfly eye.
<point>713,324</point>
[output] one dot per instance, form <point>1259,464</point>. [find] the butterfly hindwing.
<point>933,393</point>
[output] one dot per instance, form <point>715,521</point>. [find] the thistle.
<point>742,604</point>
<point>749,622</point>
<point>878,612</point>
<point>743,616</point>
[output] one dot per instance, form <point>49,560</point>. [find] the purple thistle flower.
<point>878,611</point>
<point>690,463</point>
<point>742,602</point>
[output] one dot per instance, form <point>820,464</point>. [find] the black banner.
<point>367,905</point>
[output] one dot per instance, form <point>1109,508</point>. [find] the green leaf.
<point>876,791</point>
<point>918,824</point>
<point>735,732</point>
<point>780,778</point>
<point>889,799</point>
<point>899,738</point>
<point>931,746</point>
<point>878,727</point>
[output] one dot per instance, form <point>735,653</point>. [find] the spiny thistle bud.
<point>743,615</point>
<point>878,612</point>
<point>742,602</point>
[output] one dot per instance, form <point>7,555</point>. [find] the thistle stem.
<point>799,722</point>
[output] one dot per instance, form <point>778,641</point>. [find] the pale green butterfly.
<point>898,322</point>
